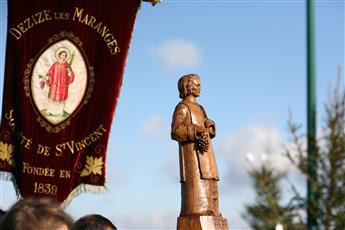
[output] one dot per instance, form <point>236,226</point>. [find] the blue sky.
<point>251,57</point>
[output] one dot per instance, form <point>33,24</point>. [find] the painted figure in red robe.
<point>59,77</point>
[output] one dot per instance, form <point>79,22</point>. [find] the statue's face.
<point>194,87</point>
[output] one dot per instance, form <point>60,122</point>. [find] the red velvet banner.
<point>63,73</point>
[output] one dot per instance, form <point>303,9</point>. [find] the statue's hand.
<point>209,123</point>
<point>199,130</point>
<point>211,127</point>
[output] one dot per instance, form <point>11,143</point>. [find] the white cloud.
<point>263,143</point>
<point>155,126</point>
<point>176,54</point>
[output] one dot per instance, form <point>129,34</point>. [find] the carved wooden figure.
<point>198,170</point>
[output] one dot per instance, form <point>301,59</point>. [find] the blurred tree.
<point>330,183</point>
<point>267,211</point>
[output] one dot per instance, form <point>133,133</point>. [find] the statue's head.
<point>185,84</point>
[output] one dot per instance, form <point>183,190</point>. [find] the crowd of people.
<point>45,214</point>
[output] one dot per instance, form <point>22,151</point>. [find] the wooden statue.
<point>198,170</point>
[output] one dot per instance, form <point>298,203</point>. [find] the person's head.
<point>93,222</point>
<point>62,55</point>
<point>189,85</point>
<point>2,215</point>
<point>36,214</point>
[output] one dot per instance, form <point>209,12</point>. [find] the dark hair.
<point>183,82</point>
<point>63,51</point>
<point>93,222</point>
<point>2,212</point>
<point>35,214</point>
<point>2,215</point>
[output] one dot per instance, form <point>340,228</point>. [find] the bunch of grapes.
<point>203,142</point>
<point>42,83</point>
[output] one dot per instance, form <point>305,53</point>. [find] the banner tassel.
<point>83,188</point>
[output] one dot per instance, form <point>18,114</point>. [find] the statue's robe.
<point>198,170</point>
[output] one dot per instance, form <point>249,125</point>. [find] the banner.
<point>63,74</point>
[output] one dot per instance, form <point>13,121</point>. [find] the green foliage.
<point>267,212</point>
<point>331,174</point>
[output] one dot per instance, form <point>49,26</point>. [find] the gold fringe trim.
<point>7,176</point>
<point>83,188</point>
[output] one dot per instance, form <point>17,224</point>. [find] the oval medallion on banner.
<point>59,81</point>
